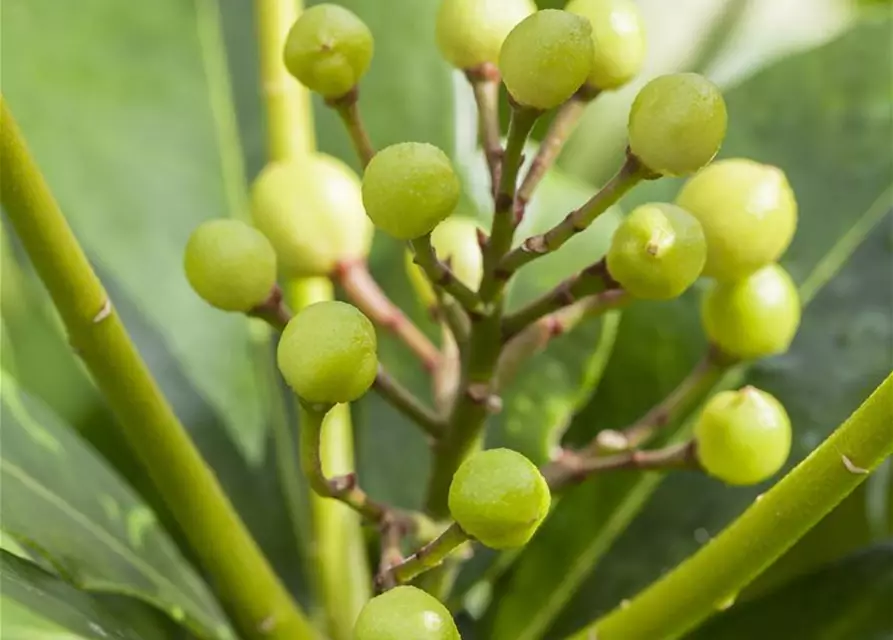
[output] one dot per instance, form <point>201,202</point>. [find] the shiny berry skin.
<point>618,37</point>
<point>546,58</point>
<point>748,212</point>
<point>455,242</point>
<point>409,188</point>
<point>743,437</point>
<point>327,353</point>
<point>754,317</point>
<point>230,264</point>
<point>499,497</point>
<point>311,210</point>
<point>405,613</point>
<point>471,32</point>
<point>328,50</point>
<point>677,123</point>
<point>657,252</point>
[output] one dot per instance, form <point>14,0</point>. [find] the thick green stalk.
<point>713,577</point>
<point>247,585</point>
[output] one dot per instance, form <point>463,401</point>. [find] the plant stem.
<point>273,311</point>
<point>249,589</point>
<point>505,220</point>
<point>362,290</point>
<point>716,574</point>
<point>484,82</point>
<point>348,109</point>
<point>408,404</point>
<point>428,557</point>
<point>442,276</point>
<point>630,174</point>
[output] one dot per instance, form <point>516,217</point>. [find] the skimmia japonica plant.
<point>312,217</point>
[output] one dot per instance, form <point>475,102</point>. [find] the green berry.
<point>327,353</point>
<point>743,437</point>
<point>471,32</point>
<point>409,188</point>
<point>748,212</point>
<point>657,252</point>
<point>546,58</point>
<point>455,242</point>
<point>405,613</point>
<point>231,265</point>
<point>618,38</point>
<point>754,317</point>
<point>328,50</point>
<point>311,209</point>
<point>499,497</point>
<point>677,123</point>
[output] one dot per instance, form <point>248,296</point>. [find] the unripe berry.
<point>471,32</point>
<point>677,123</point>
<point>748,212</point>
<point>754,317</point>
<point>327,353</point>
<point>618,38</point>
<point>499,497</point>
<point>405,613</point>
<point>743,437</point>
<point>311,209</point>
<point>657,252</point>
<point>546,58</point>
<point>455,242</point>
<point>328,50</point>
<point>231,265</point>
<point>409,188</point>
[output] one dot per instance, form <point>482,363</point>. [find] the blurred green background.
<point>146,119</point>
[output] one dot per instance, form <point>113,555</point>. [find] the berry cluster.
<point>313,216</point>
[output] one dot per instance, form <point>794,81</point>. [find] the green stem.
<point>428,557</point>
<point>247,585</point>
<point>441,275</point>
<point>348,110</point>
<point>713,577</point>
<point>408,404</point>
<point>484,82</point>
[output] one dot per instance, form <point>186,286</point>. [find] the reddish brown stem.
<point>484,82</point>
<point>273,310</point>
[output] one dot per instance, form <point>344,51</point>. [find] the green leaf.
<point>846,600</point>
<point>38,605</point>
<point>824,118</point>
<point>60,501</point>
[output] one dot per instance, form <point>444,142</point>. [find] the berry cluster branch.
<point>630,174</point>
<point>442,276</point>
<point>408,404</point>
<point>363,290</point>
<point>273,310</point>
<point>484,81</point>
<point>428,557</point>
<point>348,109</point>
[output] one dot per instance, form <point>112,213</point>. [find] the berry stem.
<point>426,558</point>
<point>442,276</point>
<point>505,220</point>
<point>248,587</point>
<point>566,119</point>
<point>693,591</point>
<point>408,404</point>
<point>484,82</point>
<point>630,174</point>
<point>273,310</point>
<point>348,108</point>
<point>362,290</point>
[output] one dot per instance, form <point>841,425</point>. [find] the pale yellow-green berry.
<point>405,613</point>
<point>619,38</point>
<point>455,242</point>
<point>471,32</point>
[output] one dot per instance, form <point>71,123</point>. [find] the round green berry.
<point>231,265</point>
<point>754,317</point>
<point>743,437</point>
<point>499,497</point>
<point>311,209</point>
<point>471,32</point>
<point>677,123</point>
<point>327,353</point>
<point>405,613</point>
<point>546,58</point>
<point>328,50</point>
<point>748,212</point>
<point>618,38</point>
<point>455,242</point>
<point>657,252</point>
<point>409,188</point>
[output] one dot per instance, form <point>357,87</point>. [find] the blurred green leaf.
<point>832,140</point>
<point>60,501</point>
<point>847,600</point>
<point>37,604</point>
